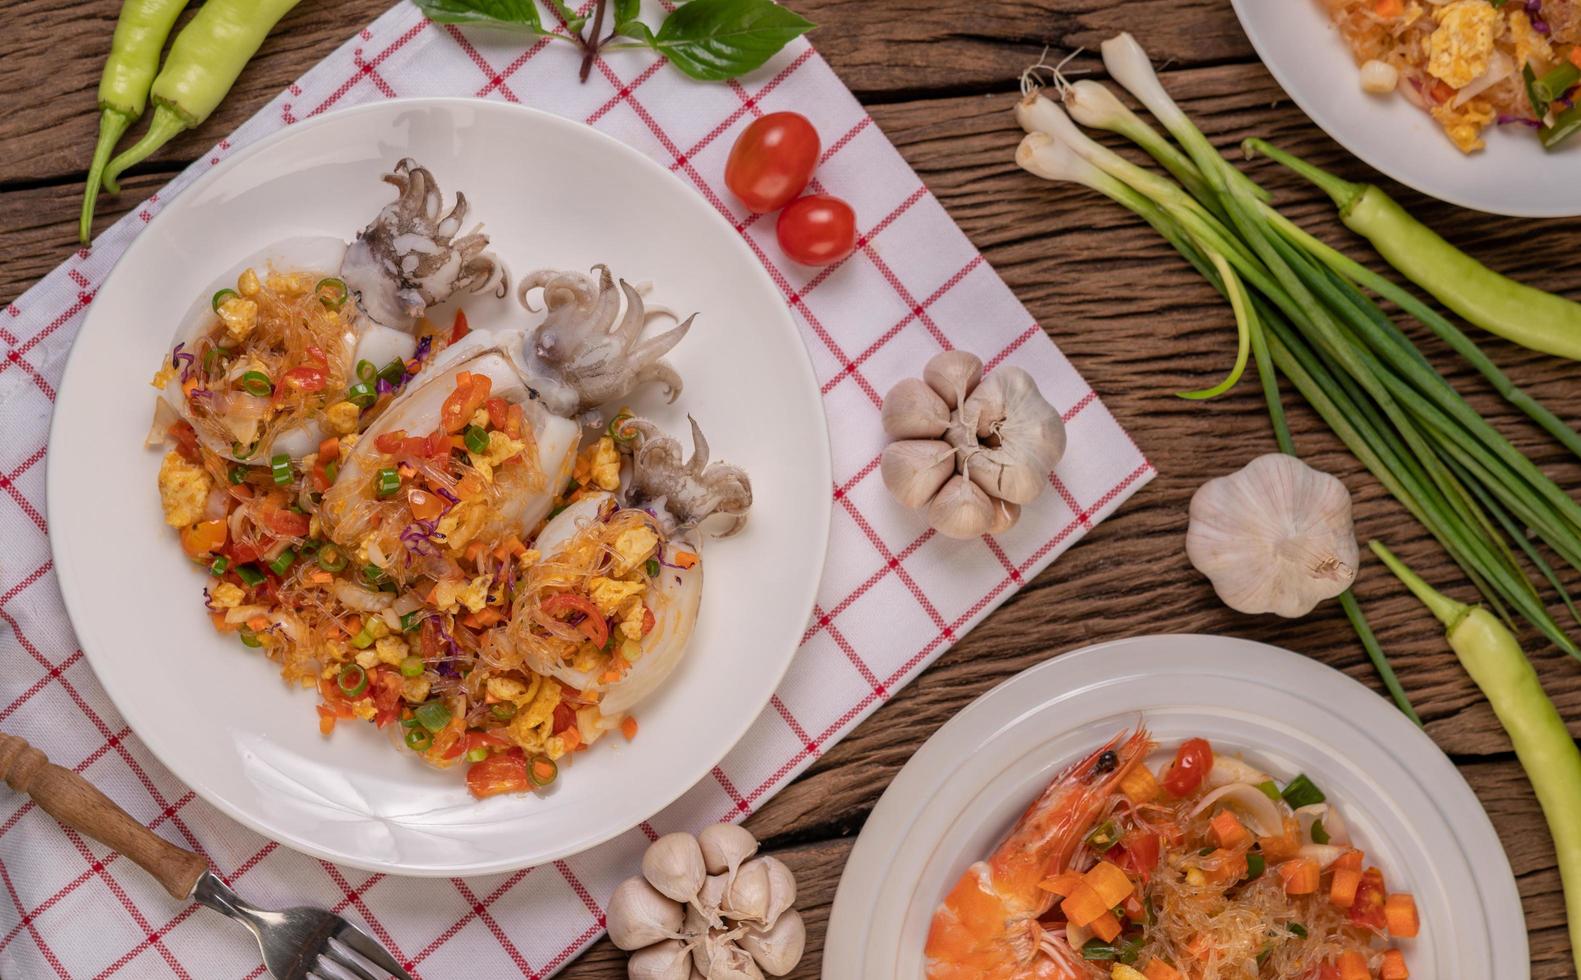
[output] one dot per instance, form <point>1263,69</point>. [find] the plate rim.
<point>79,606</point>
<point>1327,121</point>
<point>870,860</point>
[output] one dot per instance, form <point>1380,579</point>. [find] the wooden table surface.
<point>939,79</point>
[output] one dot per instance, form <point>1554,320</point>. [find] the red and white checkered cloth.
<point>894,594</point>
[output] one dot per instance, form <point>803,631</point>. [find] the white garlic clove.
<point>914,469</point>
<point>1275,536</point>
<point>961,509</point>
<point>782,889</point>
<point>913,410</point>
<point>726,845</point>
<point>953,374</point>
<point>674,865</point>
<point>668,960</point>
<point>1009,411</point>
<point>639,915</point>
<point>719,958</point>
<point>1005,516</point>
<point>711,896</point>
<point>1008,474</point>
<point>748,894</point>
<point>777,948</point>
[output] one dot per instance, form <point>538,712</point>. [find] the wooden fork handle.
<point>73,801</point>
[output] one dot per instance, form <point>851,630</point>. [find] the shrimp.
<point>987,927</point>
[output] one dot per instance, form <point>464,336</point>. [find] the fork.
<point>297,944</point>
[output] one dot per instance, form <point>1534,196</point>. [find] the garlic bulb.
<point>1275,536</point>
<point>639,915</point>
<point>970,449</point>
<point>777,948</point>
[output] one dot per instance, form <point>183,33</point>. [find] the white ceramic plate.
<point>1406,804</point>
<point>1514,175</point>
<point>551,193</point>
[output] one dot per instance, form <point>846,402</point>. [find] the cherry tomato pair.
<point>770,163</point>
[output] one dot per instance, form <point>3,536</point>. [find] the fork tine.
<point>347,964</point>
<point>364,944</point>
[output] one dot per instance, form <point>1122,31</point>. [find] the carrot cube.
<point>1300,876</point>
<point>1109,882</point>
<point>1342,892</point>
<point>1083,905</point>
<point>1105,927</point>
<point>1389,8</point>
<point>1399,913</point>
<point>1393,966</point>
<point>1061,884</point>
<point>1157,969</point>
<point>1223,865</point>
<point>1353,966</point>
<point>1282,848</point>
<point>1351,859</point>
<point>1140,785</point>
<point>1227,830</point>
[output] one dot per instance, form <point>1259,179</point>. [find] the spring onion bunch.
<point>1301,311</point>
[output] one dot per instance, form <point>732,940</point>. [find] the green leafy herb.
<point>713,40</point>
<point>573,20</point>
<point>521,15</point>
<point>1301,791</point>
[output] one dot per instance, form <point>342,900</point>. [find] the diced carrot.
<point>628,728</point>
<point>1140,785</point>
<point>1227,829</point>
<point>1282,848</point>
<point>1082,906</point>
<point>320,577</point>
<point>1393,967</point>
<point>1575,56</point>
<point>1399,912</point>
<point>1224,865</point>
<point>1353,966</point>
<point>258,623</point>
<point>1342,890</point>
<point>1300,876</point>
<point>1388,8</point>
<point>220,624</point>
<point>1106,927</point>
<point>329,450</point>
<point>572,737</point>
<point>1109,882</point>
<point>326,720</point>
<point>685,559</point>
<point>1351,860</point>
<point>474,549</point>
<point>1157,969</point>
<point>1061,884</point>
<point>482,619</point>
<point>510,548</point>
<point>1442,93</point>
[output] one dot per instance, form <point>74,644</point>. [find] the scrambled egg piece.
<point>501,448</point>
<point>341,418</point>
<point>532,727</point>
<point>633,547</point>
<point>1464,124</point>
<point>1530,46</point>
<point>163,375</point>
<point>452,593</point>
<point>1413,13</point>
<point>247,284</point>
<point>391,649</point>
<point>226,595</point>
<point>415,690</point>
<point>1459,49</point>
<point>183,490</point>
<point>463,523</point>
<point>240,316</point>
<point>599,465</point>
<point>506,688</point>
<point>631,624</point>
<point>610,595</point>
<point>289,283</point>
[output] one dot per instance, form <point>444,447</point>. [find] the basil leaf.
<point>712,40</point>
<point>573,20</point>
<point>520,15</point>
<point>637,31</point>
<point>626,11</point>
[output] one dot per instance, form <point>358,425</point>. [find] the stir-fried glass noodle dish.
<point>454,535</point>
<point>1471,63</point>
<point>1209,870</point>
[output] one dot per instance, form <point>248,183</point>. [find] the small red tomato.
<point>817,230</point>
<point>772,160</point>
<point>1192,762</point>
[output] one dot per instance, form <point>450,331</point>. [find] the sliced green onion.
<point>283,561</point>
<point>394,372</point>
<point>353,680</point>
<point>651,567</point>
<point>541,771</point>
<point>1103,836</point>
<point>476,439</point>
<point>331,558</point>
<point>220,298</point>
<point>1301,791</point>
<point>412,667</point>
<point>1256,864</point>
<point>374,575</point>
<point>503,710</point>
<point>411,621</point>
<point>210,356</point>
<point>478,754</point>
<point>337,294</point>
<point>432,715</point>
<point>1319,834</point>
<point>1270,789</point>
<point>237,475</point>
<point>418,740</point>
<point>280,469</point>
<point>219,566</point>
<point>1297,929</point>
<point>257,383</point>
<point>250,575</point>
<point>388,481</point>
<point>249,638</point>
<point>243,452</point>
<point>331,470</point>
<point>366,372</point>
<point>361,394</point>
<point>1119,951</point>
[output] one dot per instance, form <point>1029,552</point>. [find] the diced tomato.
<point>1328,971</point>
<point>472,390</point>
<point>241,552</point>
<point>459,328</point>
<point>473,740</point>
<point>482,619</point>
<point>1367,910</point>
<point>628,727</point>
<point>564,718</point>
<point>390,442</point>
<point>384,686</point>
<point>319,475</point>
<point>203,538</point>
<point>593,625</point>
<point>1140,853</point>
<point>304,379</point>
<point>1441,92</point>
<point>425,506</point>
<point>1388,9</point>
<point>286,522</point>
<point>502,772</point>
<point>1192,761</point>
<point>186,440</point>
<point>648,621</point>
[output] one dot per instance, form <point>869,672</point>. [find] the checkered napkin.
<point>894,594</point>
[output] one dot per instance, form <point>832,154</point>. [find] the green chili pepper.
<point>432,715</point>
<point>203,63</point>
<point>541,771</point>
<point>331,558</point>
<point>503,710</point>
<point>140,34</point>
<point>418,739</point>
<point>222,297</point>
<point>353,680</point>
<point>249,638</point>
<point>619,432</point>
<point>361,394</point>
<point>337,293</point>
<point>257,383</point>
<point>1103,836</point>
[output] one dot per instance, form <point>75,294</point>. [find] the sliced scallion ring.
<point>418,740</point>
<point>353,680</point>
<point>220,565</point>
<point>388,481</point>
<point>257,383</point>
<point>221,297</point>
<point>280,469</point>
<point>394,372</point>
<point>249,575</point>
<point>652,567</point>
<point>432,715</point>
<point>412,667</point>
<point>331,558</point>
<point>477,754</point>
<point>476,439</point>
<point>366,372</point>
<point>237,474</point>
<point>249,638</point>
<point>411,621</point>
<point>503,710</point>
<point>541,771</point>
<point>361,394</point>
<point>283,561</point>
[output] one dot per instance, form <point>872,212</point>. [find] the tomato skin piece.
<point>817,230</point>
<point>1192,761</point>
<point>305,379</point>
<point>502,772</point>
<point>772,161</point>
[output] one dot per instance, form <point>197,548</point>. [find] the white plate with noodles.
<point>1403,803</point>
<point>1513,175</point>
<point>549,194</point>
